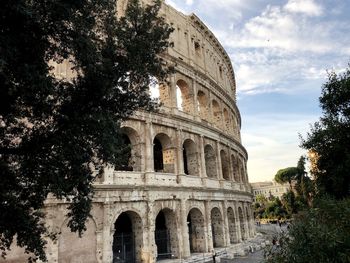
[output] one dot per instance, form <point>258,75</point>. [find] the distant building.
<point>269,189</point>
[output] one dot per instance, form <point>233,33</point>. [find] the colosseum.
<point>185,193</point>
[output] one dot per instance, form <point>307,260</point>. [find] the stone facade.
<point>185,189</point>
<point>269,189</point>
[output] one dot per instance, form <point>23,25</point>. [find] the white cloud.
<point>308,7</point>
<point>189,2</point>
<point>272,142</point>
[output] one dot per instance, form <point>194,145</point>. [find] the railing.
<point>127,178</point>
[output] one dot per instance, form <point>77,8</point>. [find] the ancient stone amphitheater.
<point>185,192</point>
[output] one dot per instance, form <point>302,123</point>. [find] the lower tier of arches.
<point>147,226</point>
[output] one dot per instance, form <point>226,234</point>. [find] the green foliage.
<point>329,138</point>
<point>286,175</point>
<point>320,234</point>
<point>269,209</point>
<point>55,133</point>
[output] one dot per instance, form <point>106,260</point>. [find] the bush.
<point>320,234</point>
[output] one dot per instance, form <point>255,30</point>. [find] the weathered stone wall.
<point>187,176</point>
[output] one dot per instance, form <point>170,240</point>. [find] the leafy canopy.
<point>55,133</point>
<point>329,138</point>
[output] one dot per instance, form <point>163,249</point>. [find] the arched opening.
<point>163,154</point>
<point>132,140</point>
<point>241,222</point>
<point>210,161</point>
<point>233,125</point>
<point>127,238</point>
<point>217,228</point>
<point>190,157</point>
<point>158,155</point>
<point>232,226</point>
<point>235,169</point>
<point>154,88</point>
<point>225,165</point>
<point>227,124</point>
<point>166,235</point>
<point>125,163</point>
<point>217,119</point>
<point>202,105</point>
<point>184,97</point>
<point>195,223</point>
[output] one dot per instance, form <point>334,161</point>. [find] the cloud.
<point>272,142</point>
<point>308,7</point>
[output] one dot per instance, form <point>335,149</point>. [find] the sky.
<point>281,51</point>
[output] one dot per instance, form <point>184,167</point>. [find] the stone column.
<point>203,171</point>
<point>218,158</point>
<point>151,244</point>
<point>172,91</point>
<point>184,237</point>
<point>107,234</point>
<point>226,226</point>
<point>195,100</point>
<point>149,165</point>
<point>180,165</point>
<point>209,234</point>
<point>230,166</point>
<point>237,222</point>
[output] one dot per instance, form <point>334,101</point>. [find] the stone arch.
<point>190,157</point>
<point>241,171</point>
<point>217,120</point>
<point>133,150</point>
<point>202,103</point>
<point>166,237</point>
<point>241,223</point>
<point>163,154</point>
<point>217,228</point>
<point>234,125</point>
<point>225,165</point>
<point>196,231</point>
<point>210,161</point>
<point>70,245</point>
<point>127,237</point>
<point>227,121</point>
<point>235,168</point>
<point>232,228</point>
<point>184,97</point>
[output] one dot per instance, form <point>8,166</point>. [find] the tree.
<point>320,234</point>
<point>329,138</point>
<point>287,175</point>
<point>54,133</point>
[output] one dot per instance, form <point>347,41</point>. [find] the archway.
<point>217,228</point>
<point>195,223</point>
<point>125,163</point>
<point>227,121</point>
<point>235,169</point>
<point>232,226</point>
<point>225,165</point>
<point>184,97</point>
<point>127,238</point>
<point>163,154</point>
<point>217,119</point>
<point>202,105</point>
<point>190,158</point>
<point>241,222</point>
<point>210,161</point>
<point>132,140</point>
<point>165,235</point>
